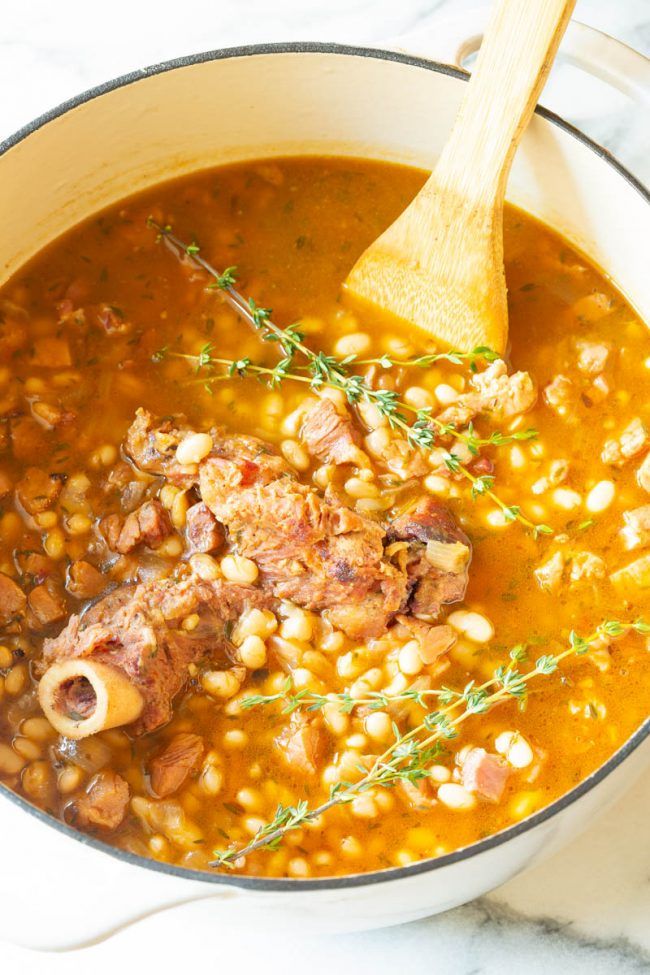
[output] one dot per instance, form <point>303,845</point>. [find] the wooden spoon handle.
<point>513,63</point>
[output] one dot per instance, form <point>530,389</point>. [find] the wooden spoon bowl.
<point>440,264</point>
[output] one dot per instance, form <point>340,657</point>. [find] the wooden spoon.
<point>440,264</point>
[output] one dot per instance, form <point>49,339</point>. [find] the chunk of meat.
<point>46,605</point>
<point>417,795</point>
<point>171,767</point>
<point>485,774</point>
<point>432,579</point>
<point>12,600</point>
<point>592,356</point>
<point>585,567</point>
<point>330,435</point>
<point>33,565</point>
<point>37,490</point>
<point>557,473</point>
<point>104,803</point>
<point>643,474</point>
<point>302,744</point>
<point>549,574</point>
<point>633,441</point>
<point>84,581</point>
<point>204,533</point>
<point>139,630</point>
<point>636,531</point>
<point>148,525</point>
<point>560,395</point>
<point>434,641</point>
<point>122,480</point>
<point>504,396</point>
<point>495,393</point>
<point>311,550</point>
<point>631,577</point>
<point>403,460</point>
<point>151,444</point>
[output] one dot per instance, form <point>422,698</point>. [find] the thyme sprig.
<point>387,402</point>
<point>409,756</point>
<point>327,370</point>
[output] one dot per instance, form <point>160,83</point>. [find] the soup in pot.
<point>297,593</point>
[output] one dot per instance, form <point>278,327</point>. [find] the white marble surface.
<point>588,909</point>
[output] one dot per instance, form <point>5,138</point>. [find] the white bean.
<point>236,568</point>
<point>475,626</point>
<point>355,344</point>
<point>600,497</point>
<point>567,499</point>
<point>455,796</point>
<point>194,448</point>
<point>445,394</point>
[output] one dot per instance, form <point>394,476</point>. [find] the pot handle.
<point>598,83</point>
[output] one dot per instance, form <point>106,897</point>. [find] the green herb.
<point>321,370</point>
<point>410,755</point>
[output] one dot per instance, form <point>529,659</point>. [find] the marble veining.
<point>588,909</point>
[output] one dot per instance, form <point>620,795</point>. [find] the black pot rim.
<point>422,866</point>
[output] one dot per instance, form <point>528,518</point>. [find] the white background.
<point>588,910</point>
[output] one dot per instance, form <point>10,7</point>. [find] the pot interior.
<point>300,99</point>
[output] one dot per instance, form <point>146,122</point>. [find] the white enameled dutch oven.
<point>60,888</point>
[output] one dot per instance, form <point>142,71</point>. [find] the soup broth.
<point>292,702</point>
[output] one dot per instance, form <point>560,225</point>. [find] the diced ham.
<point>46,605</point>
<point>37,490</point>
<point>643,474</point>
<point>104,803</point>
<point>585,566</point>
<point>633,441</point>
<point>560,394</point>
<point>637,527</point>
<point>495,393</point>
<point>84,581</point>
<point>302,744</point>
<point>404,460</point>
<point>592,356</point>
<point>203,531</point>
<point>484,774</point>
<point>549,574</point>
<point>12,600</point>
<point>34,566</point>
<point>148,525</point>
<point>504,396</point>
<point>417,795</point>
<point>171,767</point>
<point>330,435</point>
